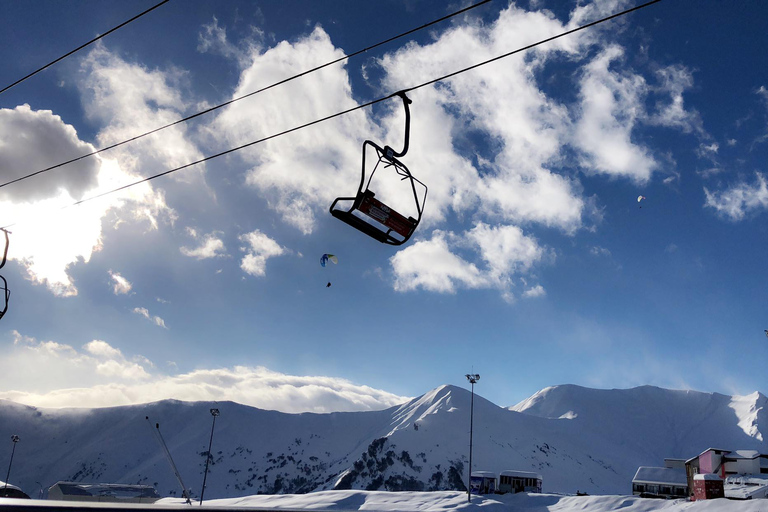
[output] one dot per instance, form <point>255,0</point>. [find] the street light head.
<point>15,438</point>
<point>473,377</point>
<point>214,412</point>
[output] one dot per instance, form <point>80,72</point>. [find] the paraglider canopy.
<point>325,257</point>
<point>640,198</point>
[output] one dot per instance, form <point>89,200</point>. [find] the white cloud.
<point>301,173</point>
<point>154,319</point>
<point>213,39</point>
<point>675,80</point>
<point>536,291</point>
<point>129,99</point>
<point>611,105</point>
<point>60,365</point>
<point>100,376</point>
<point>210,246</point>
<point>103,349</point>
<point>121,286</point>
<point>740,199</point>
<point>432,265</point>
<point>48,239</point>
<point>32,140</point>
<point>259,249</point>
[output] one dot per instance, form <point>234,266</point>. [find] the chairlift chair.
<point>370,215</point>
<point>6,294</point>
<point>4,291</point>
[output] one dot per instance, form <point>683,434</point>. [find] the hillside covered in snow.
<point>577,438</point>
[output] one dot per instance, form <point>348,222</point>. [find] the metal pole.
<point>472,378</point>
<point>471,420</point>
<point>214,413</point>
<point>159,437</point>
<point>15,440</point>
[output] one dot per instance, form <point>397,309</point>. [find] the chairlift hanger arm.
<point>388,150</point>
<point>5,252</point>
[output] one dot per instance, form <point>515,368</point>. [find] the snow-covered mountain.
<point>577,438</point>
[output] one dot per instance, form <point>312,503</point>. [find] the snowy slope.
<point>450,501</point>
<point>420,445</point>
<point>654,423</point>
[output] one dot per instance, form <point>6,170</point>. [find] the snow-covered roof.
<point>114,490</point>
<point>743,454</point>
<point>484,474</point>
<point>10,486</point>
<point>744,487</point>
<point>653,475</point>
<point>520,474</point>
<point>706,476</point>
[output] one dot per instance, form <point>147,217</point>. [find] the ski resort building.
<point>707,486</point>
<point>725,463</point>
<point>519,481</point>
<point>715,472</point>
<point>482,482</point>
<point>119,493</point>
<point>653,482</point>
<point>11,491</point>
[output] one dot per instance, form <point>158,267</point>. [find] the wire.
<point>83,46</point>
<point>249,94</point>
<point>358,107</point>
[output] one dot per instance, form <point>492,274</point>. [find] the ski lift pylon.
<point>370,215</point>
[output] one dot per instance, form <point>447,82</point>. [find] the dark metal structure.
<point>367,213</point>
<point>472,378</point>
<point>4,291</point>
<point>214,413</point>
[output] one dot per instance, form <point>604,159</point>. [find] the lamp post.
<point>472,378</point>
<point>15,440</point>
<point>214,413</point>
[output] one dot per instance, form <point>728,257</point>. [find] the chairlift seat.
<point>373,217</point>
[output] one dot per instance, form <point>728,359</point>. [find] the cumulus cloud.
<point>101,376</point>
<point>536,291</point>
<point>258,250</point>
<point>209,246</point>
<point>62,365</point>
<point>434,264</point>
<point>739,200</point>
<point>611,103</point>
<point>300,174</point>
<point>128,99</point>
<point>125,99</point>
<point>121,285</point>
<point>154,319</point>
<point>32,140</point>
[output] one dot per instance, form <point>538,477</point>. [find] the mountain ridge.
<point>577,438</point>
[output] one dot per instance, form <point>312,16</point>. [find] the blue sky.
<point>533,266</point>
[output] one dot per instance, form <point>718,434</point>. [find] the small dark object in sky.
<point>328,285</point>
